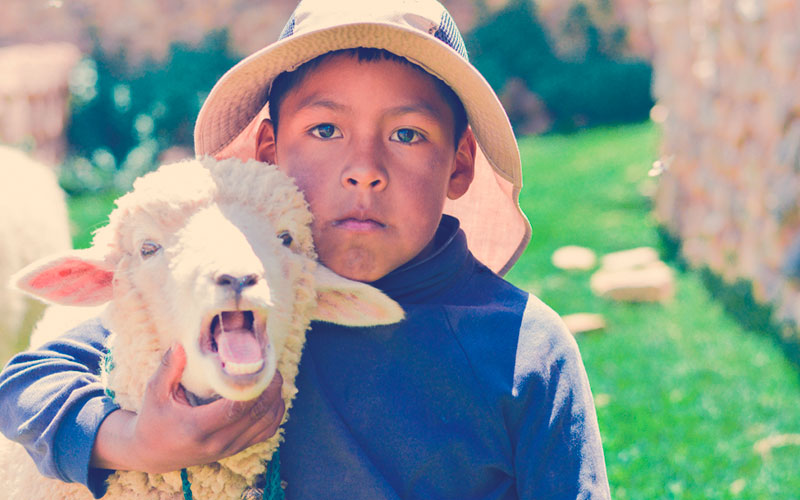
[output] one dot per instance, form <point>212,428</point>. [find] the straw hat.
<point>423,32</point>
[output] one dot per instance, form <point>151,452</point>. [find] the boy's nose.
<point>365,175</point>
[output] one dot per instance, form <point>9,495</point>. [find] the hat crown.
<point>427,16</point>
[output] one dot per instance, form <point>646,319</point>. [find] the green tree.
<point>592,85</point>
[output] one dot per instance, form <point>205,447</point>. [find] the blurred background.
<point>661,153</point>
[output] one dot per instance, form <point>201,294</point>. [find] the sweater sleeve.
<point>52,403</point>
<point>557,449</point>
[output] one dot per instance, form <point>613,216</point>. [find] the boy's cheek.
<point>308,169</point>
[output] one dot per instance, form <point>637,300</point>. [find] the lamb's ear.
<point>73,279</point>
<point>347,302</point>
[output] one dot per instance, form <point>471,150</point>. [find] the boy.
<point>479,393</point>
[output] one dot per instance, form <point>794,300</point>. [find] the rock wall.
<point>145,28</point>
<point>33,97</point>
<point>727,82</point>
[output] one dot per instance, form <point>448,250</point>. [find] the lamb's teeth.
<point>243,368</point>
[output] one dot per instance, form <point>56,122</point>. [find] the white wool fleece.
<point>165,264</point>
<point>33,223</point>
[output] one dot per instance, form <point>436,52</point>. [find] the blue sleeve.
<point>557,449</point>
<point>52,403</point>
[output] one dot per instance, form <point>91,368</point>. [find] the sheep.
<point>34,224</point>
<point>218,256</point>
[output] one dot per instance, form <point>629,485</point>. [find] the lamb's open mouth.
<point>239,339</point>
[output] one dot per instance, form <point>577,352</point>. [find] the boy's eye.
<point>406,136</point>
<point>326,131</point>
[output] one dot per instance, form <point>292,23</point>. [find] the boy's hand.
<point>169,434</point>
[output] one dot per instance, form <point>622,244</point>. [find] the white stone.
<point>629,259</point>
<point>584,322</point>
<point>574,257</point>
<point>653,283</point>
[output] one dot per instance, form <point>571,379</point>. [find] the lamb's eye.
<point>149,248</point>
<point>285,237</point>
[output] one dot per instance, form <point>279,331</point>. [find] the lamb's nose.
<point>237,283</point>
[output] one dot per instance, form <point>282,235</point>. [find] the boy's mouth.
<point>358,224</point>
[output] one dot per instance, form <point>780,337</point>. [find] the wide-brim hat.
<point>423,32</point>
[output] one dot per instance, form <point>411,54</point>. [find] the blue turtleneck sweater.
<point>480,393</point>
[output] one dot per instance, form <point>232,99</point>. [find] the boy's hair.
<point>286,81</point>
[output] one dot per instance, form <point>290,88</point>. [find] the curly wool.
<point>177,191</point>
<point>33,224</point>
<point>268,192</point>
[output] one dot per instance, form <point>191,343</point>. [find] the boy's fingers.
<point>167,378</point>
<point>269,399</point>
<point>239,419</point>
<point>259,431</point>
<point>256,409</point>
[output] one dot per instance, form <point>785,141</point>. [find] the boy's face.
<point>371,146</point>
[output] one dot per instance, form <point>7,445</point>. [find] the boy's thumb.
<point>168,375</point>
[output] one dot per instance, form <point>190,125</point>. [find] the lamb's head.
<point>217,256</point>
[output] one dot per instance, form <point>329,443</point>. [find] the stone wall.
<point>33,97</point>
<point>145,28</point>
<point>727,82</point>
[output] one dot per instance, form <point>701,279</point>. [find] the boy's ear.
<point>265,142</point>
<point>464,165</point>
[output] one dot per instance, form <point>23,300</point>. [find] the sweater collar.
<point>421,279</point>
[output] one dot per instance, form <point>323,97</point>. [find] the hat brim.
<point>241,94</point>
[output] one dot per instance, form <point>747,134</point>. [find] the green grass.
<point>88,213</point>
<point>686,390</point>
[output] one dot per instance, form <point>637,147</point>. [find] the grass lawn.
<point>683,391</point>
<point>88,213</point>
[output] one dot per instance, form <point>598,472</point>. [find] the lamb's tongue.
<point>236,344</point>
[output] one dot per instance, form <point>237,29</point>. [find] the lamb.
<point>218,256</point>
<point>34,224</point>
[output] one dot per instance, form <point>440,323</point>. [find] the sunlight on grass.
<point>683,391</point>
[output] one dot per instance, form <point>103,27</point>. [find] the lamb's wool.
<point>265,190</point>
<point>33,224</point>
<point>269,204</point>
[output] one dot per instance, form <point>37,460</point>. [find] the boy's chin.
<point>367,263</point>
<point>360,273</point>
<point>360,265</point>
